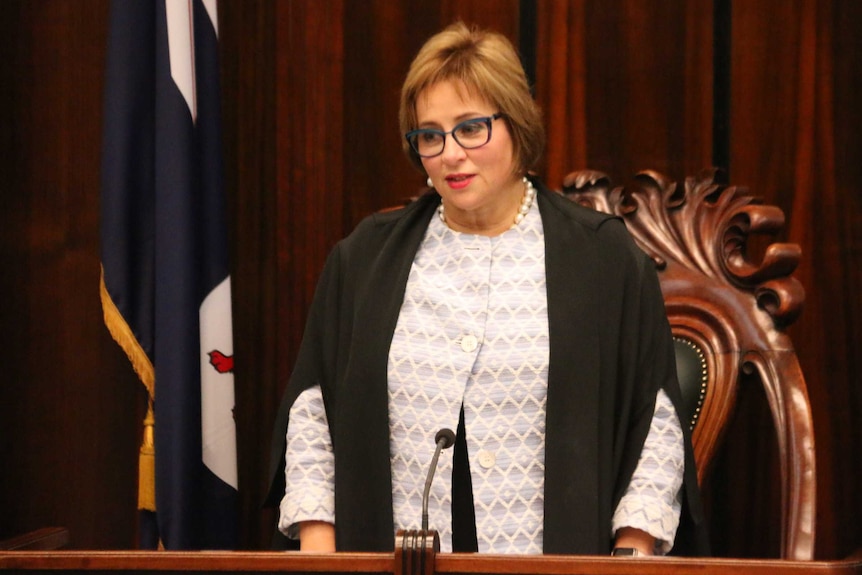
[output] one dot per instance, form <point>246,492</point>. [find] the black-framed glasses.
<point>472,133</point>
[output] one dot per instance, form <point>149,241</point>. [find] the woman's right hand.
<point>317,536</point>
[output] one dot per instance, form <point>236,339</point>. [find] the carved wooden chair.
<point>728,315</point>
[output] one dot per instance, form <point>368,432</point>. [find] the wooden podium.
<point>164,562</point>
<point>416,553</point>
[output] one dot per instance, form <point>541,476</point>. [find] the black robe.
<point>610,352</point>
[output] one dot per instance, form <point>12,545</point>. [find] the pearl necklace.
<point>523,209</point>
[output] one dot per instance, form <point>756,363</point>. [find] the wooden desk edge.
<point>455,563</point>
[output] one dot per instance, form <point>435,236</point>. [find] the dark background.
<point>768,90</point>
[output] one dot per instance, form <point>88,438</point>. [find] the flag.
<point>165,283</point>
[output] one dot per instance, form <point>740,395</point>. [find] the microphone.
<point>444,439</point>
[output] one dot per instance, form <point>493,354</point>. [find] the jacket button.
<point>487,459</point>
<point>469,343</point>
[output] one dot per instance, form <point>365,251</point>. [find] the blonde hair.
<point>488,65</point>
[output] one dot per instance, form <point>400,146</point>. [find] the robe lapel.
<point>572,482</point>
<point>364,517</point>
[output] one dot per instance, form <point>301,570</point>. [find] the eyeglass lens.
<point>469,134</point>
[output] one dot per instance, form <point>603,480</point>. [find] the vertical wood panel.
<point>70,403</point>
<point>764,94</point>
<point>561,86</point>
<point>247,52</point>
<point>626,85</point>
<point>309,118</point>
<point>846,85</point>
<point>378,46</point>
<point>796,140</point>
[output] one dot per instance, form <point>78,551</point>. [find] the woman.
<point>490,304</point>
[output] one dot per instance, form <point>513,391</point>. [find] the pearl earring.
<point>430,182</point>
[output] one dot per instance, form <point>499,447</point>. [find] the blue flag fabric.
<point>165,279</point>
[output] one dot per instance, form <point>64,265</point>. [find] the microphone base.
<point>415,551</point>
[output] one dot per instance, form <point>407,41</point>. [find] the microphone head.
<point>447,436</point>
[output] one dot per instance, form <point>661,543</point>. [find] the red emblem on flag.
<point>221,362</point>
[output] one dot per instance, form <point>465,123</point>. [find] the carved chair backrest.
<point>728,315</point>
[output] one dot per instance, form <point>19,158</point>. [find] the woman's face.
<point>479,186</point>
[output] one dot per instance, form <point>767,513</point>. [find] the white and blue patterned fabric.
<point>473,331</point>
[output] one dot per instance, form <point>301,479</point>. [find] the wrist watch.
<point>625,552</point>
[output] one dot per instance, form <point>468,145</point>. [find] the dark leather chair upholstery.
<point>693,375</point>
<point>728,314</point>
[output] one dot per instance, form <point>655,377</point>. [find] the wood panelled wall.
<point>68,403</point>
<point>312,145</point>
